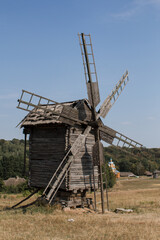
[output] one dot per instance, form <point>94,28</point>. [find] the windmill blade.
<point>113,96</point>
<point>107,134</point>
<point>89,69</point>
<point>117,139</point>
<point>45,107</point>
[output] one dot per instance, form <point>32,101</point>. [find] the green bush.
<point>111,178</point>
<point>15,189</point>
<point>1,185</point>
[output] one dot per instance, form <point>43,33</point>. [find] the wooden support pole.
<point>95,202</point>
<point>106,187</point>
<point>101,186</point>
<point>25,198</point>
<point>25,144</point>
<point>100,160</point>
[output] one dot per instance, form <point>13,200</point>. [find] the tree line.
<point>12,157</point>
<point>12,161</point>
<point>138,161</point>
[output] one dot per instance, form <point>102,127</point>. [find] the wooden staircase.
<point>57,179</point>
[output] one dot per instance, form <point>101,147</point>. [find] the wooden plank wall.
<point>81,172</point>
<point>47,149</point>
<point>84,113</point>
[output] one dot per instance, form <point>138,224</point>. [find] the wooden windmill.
<point>66,155</point>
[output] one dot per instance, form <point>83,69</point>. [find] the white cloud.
<point>134,7</point>
<point>151,118</point>
<point>125,14</point>
<point>8,96</point>
<point>147,2</point>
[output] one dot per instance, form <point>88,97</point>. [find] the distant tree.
<point>124,165</point>
<point>1,184</point>
<point>111,178</point>
<point>11,158</point>
<point>140,169</point>
<point>146,159</point>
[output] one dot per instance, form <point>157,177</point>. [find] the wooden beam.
<point>25,144</point>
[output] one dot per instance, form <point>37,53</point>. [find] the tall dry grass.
<point>142,195</point>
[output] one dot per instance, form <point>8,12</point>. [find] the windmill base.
<point>72,199</point>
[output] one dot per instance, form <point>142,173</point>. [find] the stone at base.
<point>66,209</point>
<point>122,210</point>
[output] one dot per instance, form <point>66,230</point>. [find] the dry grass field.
<point>142,195</point>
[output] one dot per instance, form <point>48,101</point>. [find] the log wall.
<point>47,149</point>
<point>48,145</point>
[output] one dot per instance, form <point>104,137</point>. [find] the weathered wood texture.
<point>47,149</point>
<point>98,154</point>
<point>95,93</point>
<point>49,144</point>
<point>78,110</point>
<point>81,171</point>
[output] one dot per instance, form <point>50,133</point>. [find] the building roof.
<point>157,171</point>
<point>38,118</point>
<point>147,173</point>
<point>126,174</point>
<point>14,181</point>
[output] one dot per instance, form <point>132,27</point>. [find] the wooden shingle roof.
<point>38,118</point>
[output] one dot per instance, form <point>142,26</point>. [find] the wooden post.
<point>101,185</point>
<point>106,187</point>
<point>95,203</point>
<point>99,158</point>
<point>24,162</point>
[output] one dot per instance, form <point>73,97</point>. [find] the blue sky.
<point>39,52</point>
